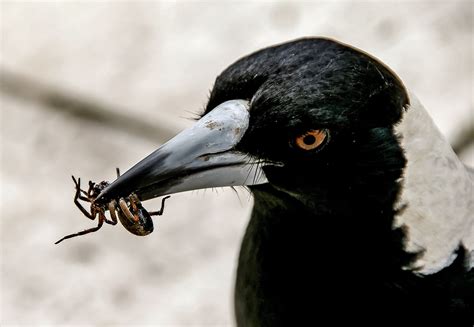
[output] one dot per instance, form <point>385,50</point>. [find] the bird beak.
<point>201,156</point>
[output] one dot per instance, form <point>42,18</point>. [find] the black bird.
<point>363,213</point>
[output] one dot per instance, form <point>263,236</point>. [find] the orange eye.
<point>311,139</point>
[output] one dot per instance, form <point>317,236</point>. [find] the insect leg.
<point>112,205</point>
<point>134,202</point>
<point>91,188</point>
<point>160,212</point>
<point>126,211</point>
<point>78,196</point>
<point>83,198</point>
<point>87,231</point>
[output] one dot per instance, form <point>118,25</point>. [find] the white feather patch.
<point>437,191</point>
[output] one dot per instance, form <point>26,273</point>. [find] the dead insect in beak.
<point>136,219</point>
<point>132,215</point>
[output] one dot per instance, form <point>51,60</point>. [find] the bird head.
<point>297,116</point>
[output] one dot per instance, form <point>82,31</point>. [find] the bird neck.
<point>346,218</point>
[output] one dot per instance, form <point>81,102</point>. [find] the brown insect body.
<point>142,227</point>
<point>132,215</point>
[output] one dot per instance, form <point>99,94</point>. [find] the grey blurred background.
<point>87,87</point>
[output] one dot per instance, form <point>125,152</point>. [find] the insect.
<point>133,216</point>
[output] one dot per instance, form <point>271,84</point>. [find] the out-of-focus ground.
<point>135,71</point>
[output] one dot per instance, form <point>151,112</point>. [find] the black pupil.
<point>309,139</point>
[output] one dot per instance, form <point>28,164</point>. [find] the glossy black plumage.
<point>321,245</point>
<point>372,227</point>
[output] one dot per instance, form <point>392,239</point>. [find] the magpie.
<point>363,214</point>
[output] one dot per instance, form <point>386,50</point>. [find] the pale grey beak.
<point>201,156</point>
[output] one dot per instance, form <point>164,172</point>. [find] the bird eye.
<point>311,139</point>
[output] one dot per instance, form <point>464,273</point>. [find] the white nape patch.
<point>437,191</point>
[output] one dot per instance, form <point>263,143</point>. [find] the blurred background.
<point>90,86</point>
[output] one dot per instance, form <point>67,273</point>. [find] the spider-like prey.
<point>133,216</point>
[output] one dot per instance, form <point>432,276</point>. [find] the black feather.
<point>321,245</point>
